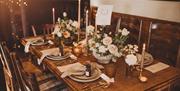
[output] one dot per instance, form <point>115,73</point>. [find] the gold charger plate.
<point>82,78</point>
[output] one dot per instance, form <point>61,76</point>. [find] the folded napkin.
<point>52,51</point>
<point>72,69</point>
<point>27,45</point>
<point>157,67</point>
<point>29,40</point>
<point>76,69</point>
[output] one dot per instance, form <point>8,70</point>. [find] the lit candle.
<point>143,53</point>
<point>79,12</point>
<point>86,24</point>
<point>53,12</point>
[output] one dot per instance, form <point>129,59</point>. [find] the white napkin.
<point>48,52</point>
<point>27,45</point>
<point>29,40</point>
<point>157,67</point>
<point>106,78</point>
<point>75,68</point>
<point>72,56</point>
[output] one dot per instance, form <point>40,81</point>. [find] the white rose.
<point>69,27</point>
<point>107,40</point>
<point>59,19</point>
<point>117,54</point>
<point>125,32</point>
<point>131,59</point>
<point>113,49</point>
<point>56,29</point>
<point>70,21</point>
<point>90,29</point>
<point>75,24</point>
<point>97,45</point>
<point>59,34</point>
<point>102,49</point>
<point>64,14</point>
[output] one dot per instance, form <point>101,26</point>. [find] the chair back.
<point>48,28</point>
<point>6,70</point>
<point>25,79</point>
<point>33,30</point>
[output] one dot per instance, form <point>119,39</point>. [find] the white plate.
<point>95,75</point>
<point>57,57</point>
<point>148,59</point>
<point>38,42</point>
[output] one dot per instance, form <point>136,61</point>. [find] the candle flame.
<point>144,46</point>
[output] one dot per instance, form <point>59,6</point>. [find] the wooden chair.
<point>28,77</point>
<point>33,30</point>
<point>48,28</point>
<point>7,69</point>
<point>34,78</point>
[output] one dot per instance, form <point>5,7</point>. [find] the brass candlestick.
<point>141,77</point>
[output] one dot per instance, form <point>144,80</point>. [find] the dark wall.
<point>40,11</point>
<point>5,27</point>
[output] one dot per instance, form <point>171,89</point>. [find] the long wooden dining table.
<point>160,80</point>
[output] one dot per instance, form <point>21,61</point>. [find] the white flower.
<point>135,48</point>
<point>107,40</point>
<point>131,59</point>
<point>113,49</point>
<point>70,21</point>
<point>59,34</point>
<point>97,45</point>
<point>64,14</point>
<point>75,24</point>
<point>90,29</point>
<point>69,27</point>
<point>59,19</point>
<point>102,49</point>
<point>56,29</point>
<point>125,32</point>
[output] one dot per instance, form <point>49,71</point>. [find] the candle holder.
<point>141,77</point>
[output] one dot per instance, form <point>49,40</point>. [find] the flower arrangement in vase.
<point>106,46</point>
<point>66,29</point>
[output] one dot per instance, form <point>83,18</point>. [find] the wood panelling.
<point>162,37</point>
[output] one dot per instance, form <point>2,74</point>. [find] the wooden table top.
<point>122,82</point>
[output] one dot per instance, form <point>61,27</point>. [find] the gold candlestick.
<point>141,77</point>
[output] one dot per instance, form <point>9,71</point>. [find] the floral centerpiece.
<point>106,46</point>
<point>66,29</point>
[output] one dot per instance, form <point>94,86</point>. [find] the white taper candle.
<point>53,13</point>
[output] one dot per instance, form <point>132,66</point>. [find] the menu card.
<point>157,67</point>
<point>103,16</point>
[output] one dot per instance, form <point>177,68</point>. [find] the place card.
<point>103,16</point>
<point>157,67</point>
